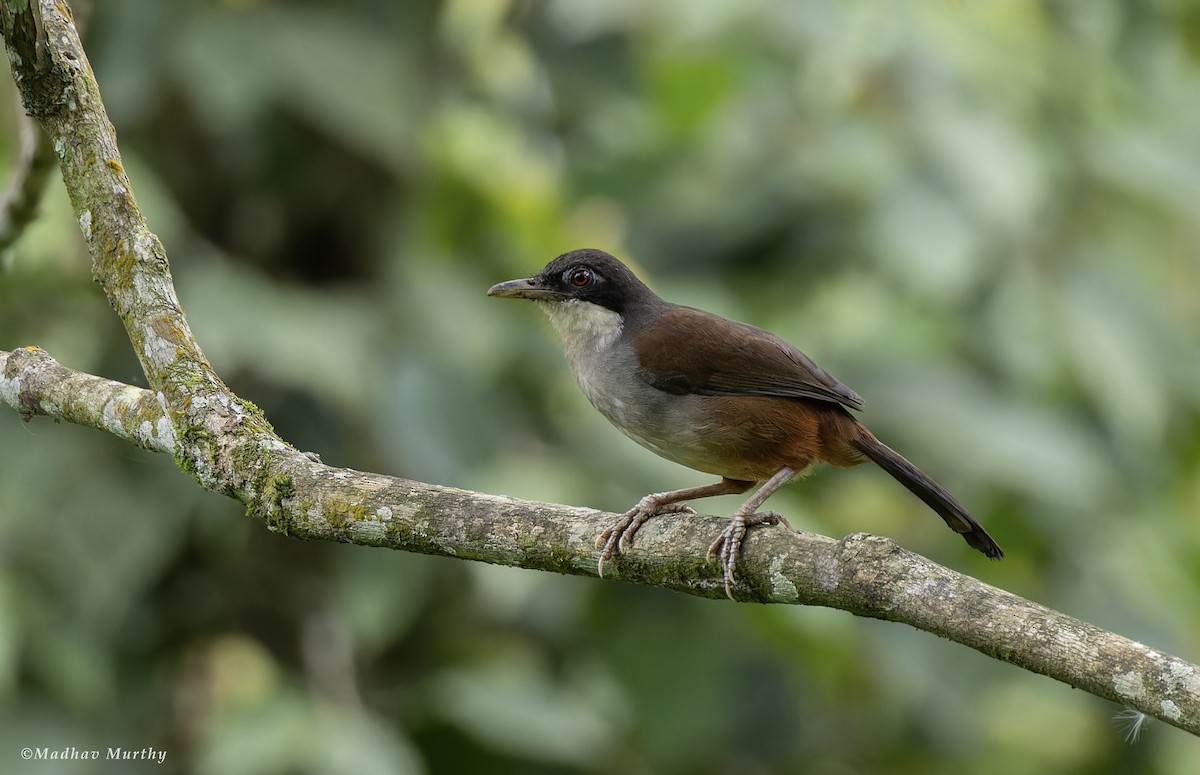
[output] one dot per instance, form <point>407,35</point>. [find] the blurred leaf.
<point>515,708</point>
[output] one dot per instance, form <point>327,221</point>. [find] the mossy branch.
<point>866,575</point>
<point>229,447</point>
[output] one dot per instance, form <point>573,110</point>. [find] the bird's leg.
<point>620,534</point>
<point>729,542</point>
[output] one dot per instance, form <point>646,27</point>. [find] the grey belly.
<point>671,426</point>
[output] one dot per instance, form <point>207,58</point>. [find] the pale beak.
<point>526,288</point>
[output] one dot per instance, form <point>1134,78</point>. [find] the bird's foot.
<point>728,544</point>
<point>619,534</point>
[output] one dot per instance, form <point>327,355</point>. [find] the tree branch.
<point>35,160</point>
<point>863,574</point>
<point>229,447</point>
<point>19,202</point>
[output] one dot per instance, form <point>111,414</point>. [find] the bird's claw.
<point>728,543</point>
<point>619,535</point>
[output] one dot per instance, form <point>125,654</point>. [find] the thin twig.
<point>20,201</point>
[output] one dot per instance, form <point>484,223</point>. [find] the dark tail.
<point>919,483</point>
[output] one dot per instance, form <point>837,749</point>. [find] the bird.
<point>715,395</point>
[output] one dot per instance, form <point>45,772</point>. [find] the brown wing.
<point>677,355</point>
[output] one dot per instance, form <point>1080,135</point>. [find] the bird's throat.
<point>586,329</point>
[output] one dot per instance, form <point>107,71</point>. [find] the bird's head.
<point>587,295</point>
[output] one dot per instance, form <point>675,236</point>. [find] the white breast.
<point>588,333</point>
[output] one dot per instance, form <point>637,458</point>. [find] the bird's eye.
<point>580,277</point>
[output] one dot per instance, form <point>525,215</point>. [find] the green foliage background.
<point>981,215</point>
